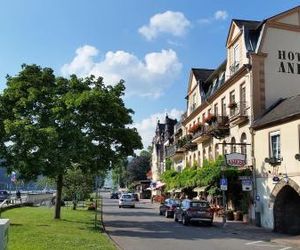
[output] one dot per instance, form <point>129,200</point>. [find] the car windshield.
<point>199,204</point>
<point>126,196</point>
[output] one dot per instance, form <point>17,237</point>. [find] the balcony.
<point>178,129</point>
<point>234,68</point>
<point>201,135</point>
<point>238,113</point>
<point>186,144</point>
<point>219,128</point>
<point>173,150</point>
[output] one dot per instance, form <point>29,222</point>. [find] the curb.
<point>104,229</point>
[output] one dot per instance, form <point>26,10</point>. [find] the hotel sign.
<point>235,159</point>
<point>289,62</point>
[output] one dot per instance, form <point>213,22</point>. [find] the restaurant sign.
<point>235,159</point>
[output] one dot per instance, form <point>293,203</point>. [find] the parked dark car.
<point>194,210</point>
<point>114,196</point>
<point>168,207</point>
<point>4,195</point>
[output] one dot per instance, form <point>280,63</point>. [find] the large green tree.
<point>138,167</point>
<point>48,124</point>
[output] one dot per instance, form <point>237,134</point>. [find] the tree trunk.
<point>59,186</point>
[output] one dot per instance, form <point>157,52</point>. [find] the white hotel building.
<point>250,104</point>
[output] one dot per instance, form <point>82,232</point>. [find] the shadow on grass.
<point>15,224</point>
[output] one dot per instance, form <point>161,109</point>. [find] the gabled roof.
<point>202,74</point>
<point>282,13</point>
<point>249,24</point>
<point>246,25</point>
<point>280,111</point>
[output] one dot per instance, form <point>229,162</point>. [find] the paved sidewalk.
<point>238,227</point>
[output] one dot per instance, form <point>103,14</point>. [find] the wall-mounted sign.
<point>247,185</point>
<point>235,159</point>
<point>223,184</point>
<point>289,62</point>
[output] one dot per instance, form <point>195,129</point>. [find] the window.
<point>216,109</point>
<point>216,151</point>
<point>223,103</point>
<point>275,145</point>
<point>210,153</point>
<point>193,106</point>
<point>235,59</point>
<point>199,158</point>
<point>244,146</point>
<point>233,145</point>
<point>231,101</point>
<point>236,54</point>
<point>243,99</point>
<point>224,149</point>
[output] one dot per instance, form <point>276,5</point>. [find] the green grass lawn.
<point>34,228</point>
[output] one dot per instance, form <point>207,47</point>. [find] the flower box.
<point>195,127</point>
<point>210,118</point>
<point>232,105</point>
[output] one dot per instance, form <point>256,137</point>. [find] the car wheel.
<point>160,212</point>
<point>185,220</point>
<point>120,206</point>
<point>166,214</point>
<point>175,218</point>
<point>133,206</point>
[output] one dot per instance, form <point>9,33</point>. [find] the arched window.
<point>204,154</point>
<point>224,148</point>
<point>199,159</point>
<point>194,159</point>
<point>210,153</point>
<point>217,153</point>
<point>190,162</point>
<point>233,146</point>
<point>244,141</point>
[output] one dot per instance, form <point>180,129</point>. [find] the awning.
<point>200,189</point>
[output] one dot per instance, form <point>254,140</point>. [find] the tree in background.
<point>49,124</point>
<point>138,167</point>
<point>78,185</point>
<point>119,173</point>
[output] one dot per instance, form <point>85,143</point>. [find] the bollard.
<point>4,224</point>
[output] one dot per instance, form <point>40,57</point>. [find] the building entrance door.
<point>287,211</point>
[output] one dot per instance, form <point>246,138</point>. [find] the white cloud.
<point>143,77</point>
<point>221,15</point>
<point>146,127</point>
<point>174,23</point>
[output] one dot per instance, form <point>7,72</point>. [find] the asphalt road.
<point>141,228</point>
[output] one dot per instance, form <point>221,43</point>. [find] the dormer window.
<point>193,104</point>
<point>235,59</point>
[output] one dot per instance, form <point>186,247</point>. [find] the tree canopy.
<point>49,123</point>
<point>138,167</point>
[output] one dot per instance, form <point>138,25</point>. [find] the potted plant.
<point>229,214</point>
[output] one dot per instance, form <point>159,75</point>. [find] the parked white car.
<point>127,200</point>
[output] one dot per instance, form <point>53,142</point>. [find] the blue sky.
<point>152,45</point>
